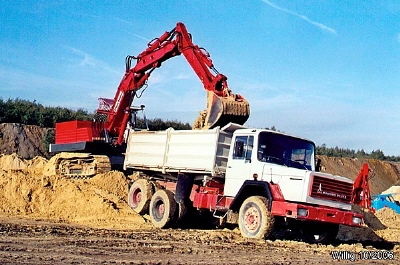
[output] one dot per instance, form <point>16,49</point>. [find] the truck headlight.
<point>302,212</point>
<point>356,220</point>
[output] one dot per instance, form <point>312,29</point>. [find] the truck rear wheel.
<point>163,208</point>
<point>255,221</point>
<point>139,196</point>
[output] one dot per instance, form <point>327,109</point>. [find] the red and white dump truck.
<point>259,179</point>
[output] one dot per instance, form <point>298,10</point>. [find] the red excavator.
<point>91,144</point>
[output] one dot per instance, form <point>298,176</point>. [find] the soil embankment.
<point>27,141</point>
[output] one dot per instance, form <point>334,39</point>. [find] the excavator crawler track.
<point>78,165</point>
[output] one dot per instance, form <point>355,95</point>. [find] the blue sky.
<point>323,70</point>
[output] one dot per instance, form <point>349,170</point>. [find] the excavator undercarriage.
<point>77,165</point>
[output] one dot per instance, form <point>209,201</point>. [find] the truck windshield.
<point>285,150</point>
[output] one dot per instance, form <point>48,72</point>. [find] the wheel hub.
<point>136,197</point>
<point>252,219</point>
<point>161,209</point>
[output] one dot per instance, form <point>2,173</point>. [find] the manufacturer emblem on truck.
<point>320,188</point>
<point>332,194</point>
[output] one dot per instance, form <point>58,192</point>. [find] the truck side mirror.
<point>318,165</point>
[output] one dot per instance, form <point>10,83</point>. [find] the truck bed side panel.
<point>202,151</point>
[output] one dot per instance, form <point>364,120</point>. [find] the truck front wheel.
<point>163,208</point>
<point>139,196</point>
<point>255,221</point>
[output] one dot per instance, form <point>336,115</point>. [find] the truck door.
<point>239,164</point>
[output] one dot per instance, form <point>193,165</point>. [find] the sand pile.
<point>395,190</point>
<point>98,202</point>
<point>389,218</point>
<point>12,162</point>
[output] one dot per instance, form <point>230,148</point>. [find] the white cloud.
<point>137,35</point>
<point>312,22</point>
<point>123,21</point>
<point>88,60</point>
<point>183,76</point>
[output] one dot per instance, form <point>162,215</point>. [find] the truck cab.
<point>287,161</point>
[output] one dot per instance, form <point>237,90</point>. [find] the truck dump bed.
<point>186,151</point>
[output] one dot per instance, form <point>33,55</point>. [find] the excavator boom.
<point>222,105</point>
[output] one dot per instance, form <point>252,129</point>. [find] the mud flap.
<point>183,188</point>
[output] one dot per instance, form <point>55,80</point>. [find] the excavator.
<point>86,148</point>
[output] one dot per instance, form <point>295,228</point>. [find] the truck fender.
<point>252,188</point>
<point>183,188</point>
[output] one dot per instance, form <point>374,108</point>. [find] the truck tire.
<point>163,208</point>
<point>320,233</point>
<point>139,196</point>
<point>255,221</point>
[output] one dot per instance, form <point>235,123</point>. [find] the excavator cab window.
<point>136,123</point>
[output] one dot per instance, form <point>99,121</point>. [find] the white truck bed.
<point>186,151</point>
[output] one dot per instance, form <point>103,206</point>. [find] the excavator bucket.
<point>223,110</point>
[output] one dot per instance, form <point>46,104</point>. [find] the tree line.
<point>351,153</point>
<point>32,113</point>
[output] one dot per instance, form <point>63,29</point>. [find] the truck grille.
<point>331,189</point>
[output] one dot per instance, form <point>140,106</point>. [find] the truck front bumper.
<point>313,213</point>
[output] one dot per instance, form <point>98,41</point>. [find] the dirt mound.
<point>12,162</point>
<point>25,140</point>
<point>389,217</point>
<point>97,202</point>
<point>395,190</point>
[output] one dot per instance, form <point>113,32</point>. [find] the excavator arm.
<point>222,105</point>
<point>361,194</point>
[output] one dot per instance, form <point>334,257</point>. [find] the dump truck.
<point>259,179</point>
